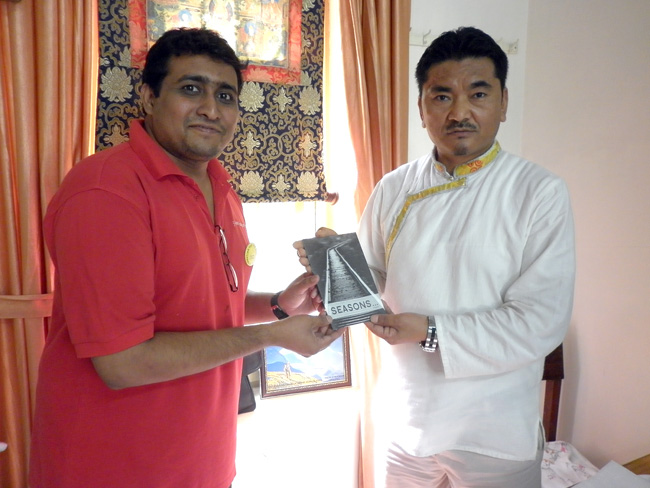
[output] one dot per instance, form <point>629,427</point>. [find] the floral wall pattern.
<point>276,154</point>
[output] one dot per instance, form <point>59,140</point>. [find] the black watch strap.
<point>275,307</point>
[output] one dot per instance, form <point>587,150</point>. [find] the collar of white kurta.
<point>471,166</point>
<point>458,180</point>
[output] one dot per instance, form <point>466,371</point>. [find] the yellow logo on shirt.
<point>249,255</point>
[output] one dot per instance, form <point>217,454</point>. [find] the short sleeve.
<point>103,251</point>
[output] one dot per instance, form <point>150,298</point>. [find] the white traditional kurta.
<point>490,253</point>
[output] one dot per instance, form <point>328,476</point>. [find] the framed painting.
<point>264,33</point>
<point>285,372</point>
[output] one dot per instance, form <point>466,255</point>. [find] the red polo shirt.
<point>136,252</point>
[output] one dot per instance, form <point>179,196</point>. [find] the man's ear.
<point>504,104</point>
<point>147,97</point>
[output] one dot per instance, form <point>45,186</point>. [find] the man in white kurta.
<point>479,243</point>
<point>490,255</point>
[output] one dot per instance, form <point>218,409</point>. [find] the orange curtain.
<point>375,39</point>
<point>48,88</point>
<point>375,53</point>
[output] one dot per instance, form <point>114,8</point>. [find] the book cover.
<point>346,285</point>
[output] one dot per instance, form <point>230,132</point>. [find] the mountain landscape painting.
<point>285,372</point>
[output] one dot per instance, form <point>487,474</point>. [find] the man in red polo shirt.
<point>139,379</point>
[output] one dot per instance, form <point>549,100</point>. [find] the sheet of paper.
<point>613,475</point>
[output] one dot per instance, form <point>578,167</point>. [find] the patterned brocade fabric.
<point>277,153</point>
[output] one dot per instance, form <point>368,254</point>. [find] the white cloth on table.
<point>563,466</point>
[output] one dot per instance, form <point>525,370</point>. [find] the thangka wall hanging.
<point>276,154</point>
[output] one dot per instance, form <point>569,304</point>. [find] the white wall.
<point>306,440</point>
<point>587,118</point>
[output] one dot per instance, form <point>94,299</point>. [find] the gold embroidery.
<point>251,97</point>
<point>280,186</point>
<point>307,145</point>
<point>307,184</point>
<point>282,100</point>
<point>309,100</point>
<point>250,143</point>
<point>251,184</point>
<point>476,164</point>
<point>116,136</point>
<point>125,57</point>
<point>116,85</point>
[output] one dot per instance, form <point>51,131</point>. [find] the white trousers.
<point>457,469</point>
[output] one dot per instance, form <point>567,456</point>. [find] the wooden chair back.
<point>553,376</point>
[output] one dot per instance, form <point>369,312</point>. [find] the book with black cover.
<point>346,285</point>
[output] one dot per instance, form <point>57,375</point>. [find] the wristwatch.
<point>430,344</point>
<point>275,307</point>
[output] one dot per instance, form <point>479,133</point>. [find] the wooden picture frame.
<point>285,372</point>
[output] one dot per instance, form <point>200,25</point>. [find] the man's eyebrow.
<point>481,84</point>
<point>473,86</point>
<point>440,89</point>
<point>207,81</point>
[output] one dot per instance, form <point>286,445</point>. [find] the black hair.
<point>459,44</point>
<point>185,41</point>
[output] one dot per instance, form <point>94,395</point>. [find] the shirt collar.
<point>157,160</point>
<point>471,166</point>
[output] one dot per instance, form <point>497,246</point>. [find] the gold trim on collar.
<point>409,200</point>
<point>475,164</point>
<point>462,170</point>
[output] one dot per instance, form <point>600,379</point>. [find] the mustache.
<point>461,126</point>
